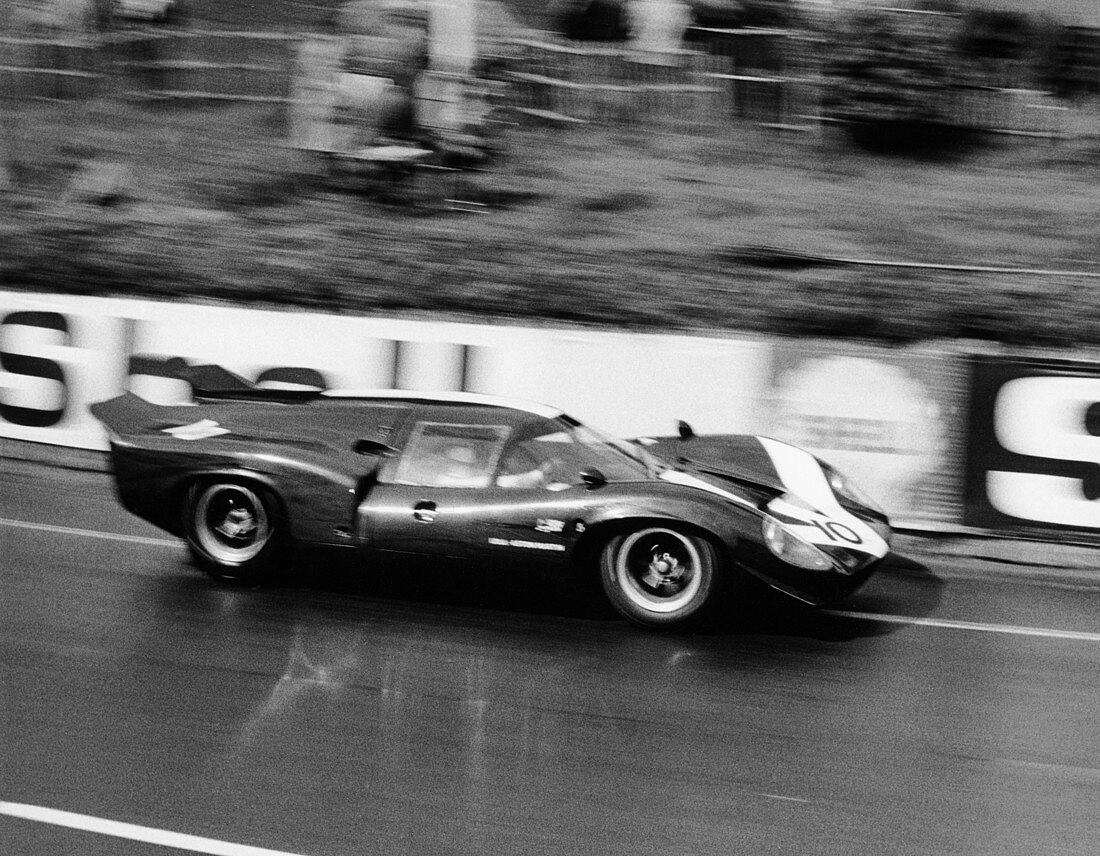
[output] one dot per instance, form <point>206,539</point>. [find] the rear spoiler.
<point>215,383</point>
<point>128,414</point>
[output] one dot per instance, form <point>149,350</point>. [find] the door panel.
<point>434,522</point>
<point>506,529</point>
<point>531,526</point>
<point>462,490</point>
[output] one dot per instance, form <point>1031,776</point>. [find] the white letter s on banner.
<point>1046,417</point>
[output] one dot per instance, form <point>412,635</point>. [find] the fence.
<point>722,74</point>
<point>766,77</point>
<point>771,78</point>
<point>39,68</point>
<point>179,64</point>
<point>211,65</point>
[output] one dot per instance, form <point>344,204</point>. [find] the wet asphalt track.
<point>440,716</point>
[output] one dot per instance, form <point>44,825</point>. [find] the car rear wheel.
<point>232,529</point>
<point>661,577</point>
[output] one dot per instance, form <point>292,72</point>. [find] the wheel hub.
<point>664,570</point>
<point>658,571</point>
<point>238,524</point>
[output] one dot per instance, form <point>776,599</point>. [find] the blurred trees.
<point>1069,60</point>
<point>899,79</point>
<point>602,20</point>
<point>590,20</point>
<point>892,75</point>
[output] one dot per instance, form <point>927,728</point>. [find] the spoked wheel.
<point>660,577</point>
<point>231,528</point>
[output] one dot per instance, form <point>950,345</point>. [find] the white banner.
<point>887,417</point>
<point>634,384</point>
<point>56,358</point>
<point>58,354</point>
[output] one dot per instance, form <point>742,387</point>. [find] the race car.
<point>669,525</point>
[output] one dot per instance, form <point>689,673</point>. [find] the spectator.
<point>656,30</point>
<point>592,21</point>
<point>656,33</point>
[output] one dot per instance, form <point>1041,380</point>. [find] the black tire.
<point>234,530</point>
<point>661,577</point>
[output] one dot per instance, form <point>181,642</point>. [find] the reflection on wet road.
<point>459,716</point>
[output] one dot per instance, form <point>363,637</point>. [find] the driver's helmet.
<point>461,455</point>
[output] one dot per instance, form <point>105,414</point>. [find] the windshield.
<point>570,447</point>
<point>594,440</point>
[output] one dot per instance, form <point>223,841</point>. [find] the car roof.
<point>471,398</point>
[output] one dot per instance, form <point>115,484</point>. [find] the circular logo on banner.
<point>870,419</point>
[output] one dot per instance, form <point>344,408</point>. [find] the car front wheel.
<point>661,577</point>
<point>232,529</point>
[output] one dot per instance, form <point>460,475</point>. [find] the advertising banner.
<point>1033,458</point>
<point>633,384</point>
<point>59,354</point>
<point>937,437</point>
<point>53,364</point>
<point>890,418</point>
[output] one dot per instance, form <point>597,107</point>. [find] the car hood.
<point>779,480</point>
<point>728,461</point>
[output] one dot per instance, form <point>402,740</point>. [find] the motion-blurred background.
<point>656,164</point>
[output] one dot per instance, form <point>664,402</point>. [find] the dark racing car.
<point>408,477</point>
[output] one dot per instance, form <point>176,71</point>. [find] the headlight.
<point>845,488</point>
<point>792,549</point>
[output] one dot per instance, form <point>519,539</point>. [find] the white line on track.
<point>146,834</point>
<point>89,533</point>
<point>1010,629</point>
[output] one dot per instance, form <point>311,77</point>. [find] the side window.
<point>544,461</point>
<point>440,454</point>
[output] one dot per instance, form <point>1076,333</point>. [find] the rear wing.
<point>214,383</point>
<point>130,414</point>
